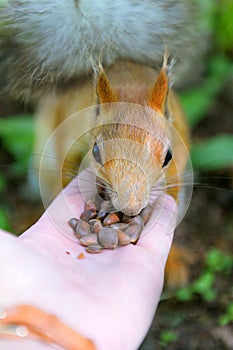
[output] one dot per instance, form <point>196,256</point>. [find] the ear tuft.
<point>158,96</point>
<point>104,91</point>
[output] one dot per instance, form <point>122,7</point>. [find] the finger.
<point>158,233</point>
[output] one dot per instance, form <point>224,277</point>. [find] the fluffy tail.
<point>50,43</point>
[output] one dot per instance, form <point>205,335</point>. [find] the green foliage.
<point>166,338</point>
<point>227,317</point>
<point>216,262</point>
<point>196,102</point>
<point>207,13</point>
<point>215,20</point>
<point>4,222</point>
<point>224,25</point>
<point>185,294</point>
<point>204,285</point>
<point>17,135</point>
<point>213,153</point>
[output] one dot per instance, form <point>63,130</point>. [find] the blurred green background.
<point>209,109</point>
<point>211,152</point>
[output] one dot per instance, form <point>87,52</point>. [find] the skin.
<point>109,297</point>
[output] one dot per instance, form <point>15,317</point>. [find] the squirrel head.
<point>131,146</point>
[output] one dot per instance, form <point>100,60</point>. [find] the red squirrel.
<point>56,46</point>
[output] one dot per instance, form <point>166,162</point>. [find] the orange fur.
<point>134,84</point>
<point>104,91</point>
<point>161,101</point>
<point>158,96</point>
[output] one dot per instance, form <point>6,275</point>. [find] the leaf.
<point>184,294</point>
<point>219,261</point>
<point>167,337</point>
<point>227,317</point>
<point>204,284</point>
<point>17,134</point>
<point>196,102</point>
<point>224,25</point>
<point>214,153</point>
<point>4,223</point>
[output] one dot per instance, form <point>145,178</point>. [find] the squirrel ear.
<point>158,96</point>
<point>104,91</point>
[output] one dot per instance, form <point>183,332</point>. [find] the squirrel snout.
<point>132,211</point>
<point>131,198</point>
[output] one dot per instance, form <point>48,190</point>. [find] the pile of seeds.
<point>99,229</point>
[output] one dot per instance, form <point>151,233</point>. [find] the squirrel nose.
<point>131,211</point>
<point>131,201</point>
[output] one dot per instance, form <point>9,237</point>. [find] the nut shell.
<point>123,238</point>
<point>111,218</point>
<point>107,238</point>
<point>89,239</point>
<point>94,249</point>
<point>82,229</point>
<point>134,232</point>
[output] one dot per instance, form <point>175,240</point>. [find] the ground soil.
<point>207,224</point>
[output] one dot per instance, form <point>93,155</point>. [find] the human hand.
<point>109,297</point>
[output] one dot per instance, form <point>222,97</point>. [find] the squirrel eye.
<point>167,158</point>
<point>96,153</point>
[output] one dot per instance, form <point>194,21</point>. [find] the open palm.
<point>109,297</point>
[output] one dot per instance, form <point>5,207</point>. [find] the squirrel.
<point>133,147</point>
<point>51,44</point>
<point>55,46</point>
